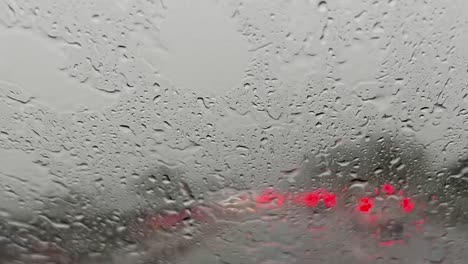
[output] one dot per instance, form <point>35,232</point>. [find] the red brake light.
<point>407,205</point>
<point>365,204</point>
<point>388,189</point>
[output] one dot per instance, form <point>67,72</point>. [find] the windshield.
<point>271,132</point>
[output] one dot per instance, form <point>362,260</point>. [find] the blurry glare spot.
<point>390,243</point>
<point>329,200</point>
<point>280,201</point>
<point>407,205</point>
<point>388,189</point>
<point>311,199</point>
<point>365,204</point>
<point>266,196</point>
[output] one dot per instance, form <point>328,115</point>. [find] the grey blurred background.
<point>116,107</point>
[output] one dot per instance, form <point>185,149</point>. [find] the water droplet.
<point>322,6</point>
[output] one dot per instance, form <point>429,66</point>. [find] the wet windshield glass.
<point>271,132</point>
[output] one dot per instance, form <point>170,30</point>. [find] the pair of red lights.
<point>309,199</point>
<point>365,205</point>
<point>329,199</point>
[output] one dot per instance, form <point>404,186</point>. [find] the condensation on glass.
<point>153,131</point>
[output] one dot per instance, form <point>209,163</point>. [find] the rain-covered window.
<point>233,132</point>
